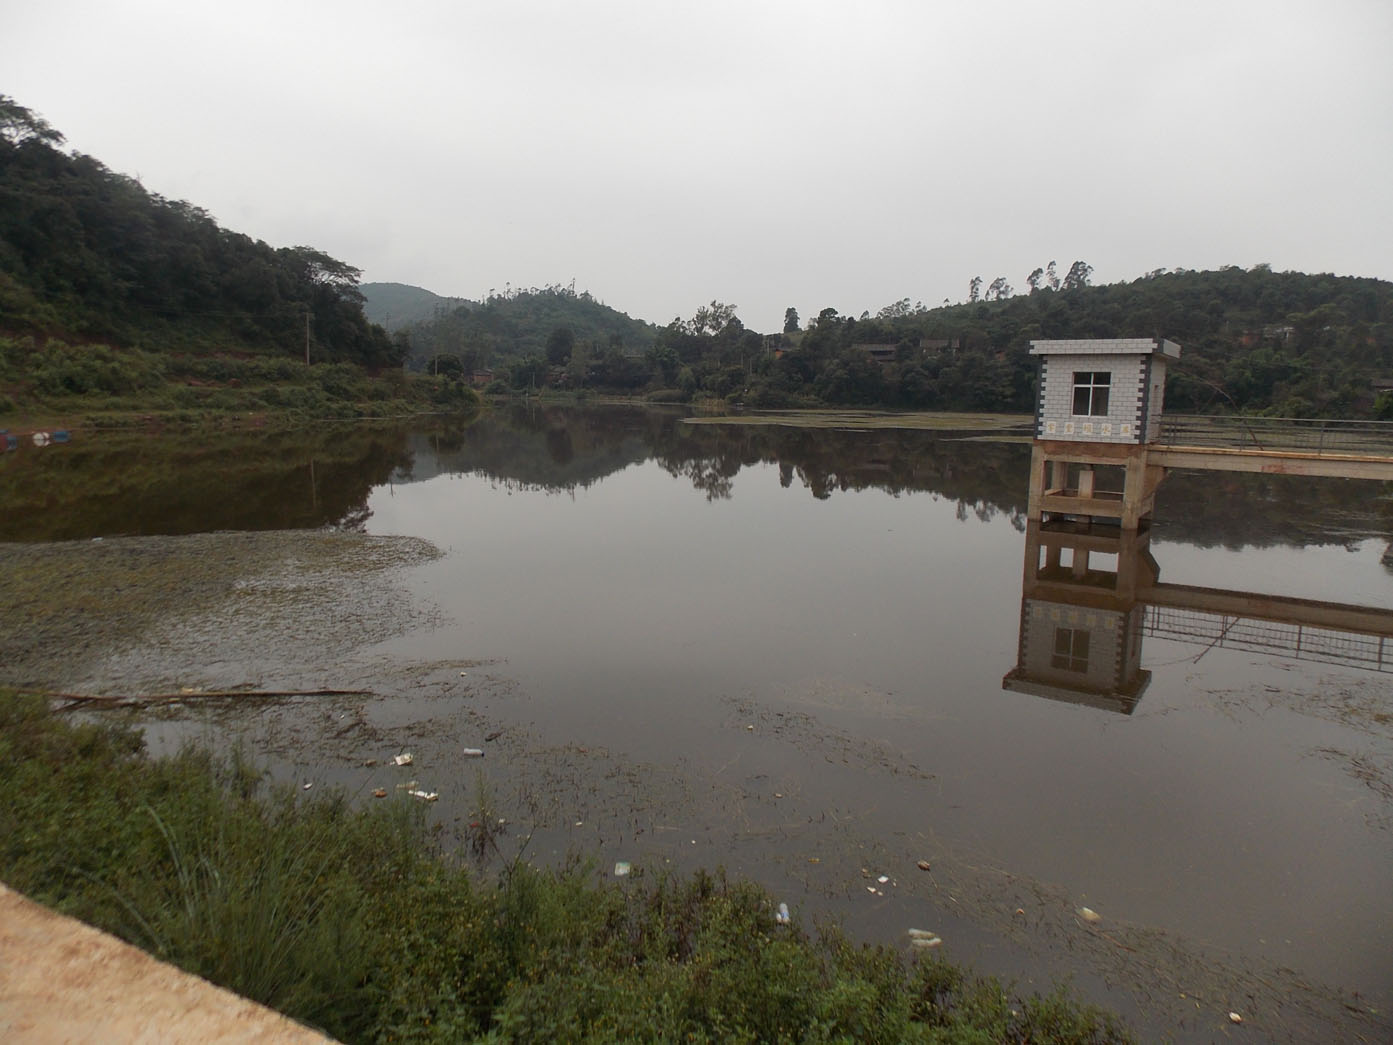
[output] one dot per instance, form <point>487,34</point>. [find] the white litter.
<point>425,796</point>
<point>404,759</point>
<point>621,869</point>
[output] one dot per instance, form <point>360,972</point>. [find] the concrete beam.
<point>1273,462</point>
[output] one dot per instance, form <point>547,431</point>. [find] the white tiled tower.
<point>1101,390</point>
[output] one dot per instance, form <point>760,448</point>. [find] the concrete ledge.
<point>63,981</point>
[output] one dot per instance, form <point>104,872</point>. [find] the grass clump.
<point>346,919</point>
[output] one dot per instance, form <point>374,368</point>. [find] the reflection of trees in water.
<point>560,449</point>
<point>186,483</point>
<point>563,448</point>
<point>182,482</point>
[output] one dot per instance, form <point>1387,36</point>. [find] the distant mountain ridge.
<point>398,305</point>
<point>514,325</point>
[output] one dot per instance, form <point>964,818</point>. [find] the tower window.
<point>1091,392</point>
<point>1070,650</point>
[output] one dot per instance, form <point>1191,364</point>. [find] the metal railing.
<point>1296,641</point>
<point>1305,435</point>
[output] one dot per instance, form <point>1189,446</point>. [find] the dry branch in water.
<point>76,700</point>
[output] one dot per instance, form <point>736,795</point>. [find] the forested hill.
<point>397,305</point>
<point>87,254</point>
<point>535,324</point>
<point>1252,339</point>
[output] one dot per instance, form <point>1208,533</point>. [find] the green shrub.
<point>60,369</point>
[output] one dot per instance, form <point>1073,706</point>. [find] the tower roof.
<point>1112,346</point>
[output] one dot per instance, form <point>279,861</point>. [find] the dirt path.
<point>63,981</point>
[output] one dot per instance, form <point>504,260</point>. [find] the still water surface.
<point>651,585</point>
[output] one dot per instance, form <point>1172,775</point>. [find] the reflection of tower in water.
<point>1081,624</point>
<point>1091,593</point>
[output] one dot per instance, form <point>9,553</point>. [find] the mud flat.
<point>286,611</point>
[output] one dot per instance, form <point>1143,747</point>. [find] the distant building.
<point>1102,390</point>
<point>879,353</point>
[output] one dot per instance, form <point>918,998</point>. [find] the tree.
<point>974,288</point>
<point>712,319</point>
<point>790,321</point>
<point>664,361</point>
<point>1000,290</point>
<point>1078,275</point>
<point>1050,277</point>
<point>19,125</point>
<point>895,310</point>
<point>1033,280</point>
<point>561,342</point>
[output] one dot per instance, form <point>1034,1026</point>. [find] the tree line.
<point>87,254</point>
<point>1253,340</point>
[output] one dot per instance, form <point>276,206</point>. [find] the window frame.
<point>1095,388</point>
<point>1070,652</point>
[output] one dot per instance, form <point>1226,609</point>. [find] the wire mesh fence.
<point>1298,641</point>
<point>1308,435</point>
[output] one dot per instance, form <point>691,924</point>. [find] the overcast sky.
<point>767,154</point>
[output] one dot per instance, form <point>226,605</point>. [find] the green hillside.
<point>397,305</point>
<point>550,323</point>
<point>116,303</point>
<point>87,254</point>
<point>1282,343</point>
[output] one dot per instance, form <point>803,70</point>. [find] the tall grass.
<point>344,918</point>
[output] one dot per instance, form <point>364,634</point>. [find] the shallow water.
<point>759,629</point>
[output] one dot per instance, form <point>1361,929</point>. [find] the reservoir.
<point>781,648</point>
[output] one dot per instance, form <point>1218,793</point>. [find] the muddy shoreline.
<point>319,609</point>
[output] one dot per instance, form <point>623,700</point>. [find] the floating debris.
<point>924,939</point>
<point>883,879</point>
<point>781,915</point>
<point>621,869</point>
<point>472,752</point>
<point>923,865</point>
<point>404,759</point>
<point>1089,915</point>
<point>380,793</point>
<point>1235,1018</point>
<point>306,785</point>
<point>425,796</point>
